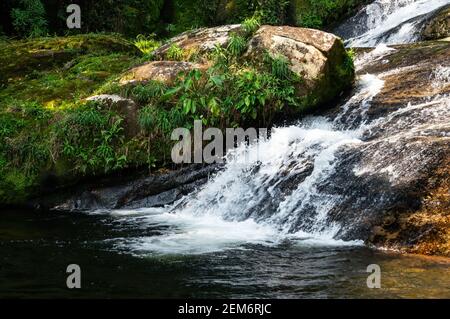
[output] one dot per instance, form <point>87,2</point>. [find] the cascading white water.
<point>277,189</point>
<point>388,21</point>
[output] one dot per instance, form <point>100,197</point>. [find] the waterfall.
<point>299,183</point>
<point>388,21</point>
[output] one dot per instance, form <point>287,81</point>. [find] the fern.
<point>175,53</point>
<point>237,45</point>
<point>250,25</point>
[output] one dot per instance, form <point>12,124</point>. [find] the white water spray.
<point>274,191</point>
<point>389,22</point>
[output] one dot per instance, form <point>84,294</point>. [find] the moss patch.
<point>43,81</point>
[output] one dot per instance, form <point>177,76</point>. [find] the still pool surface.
<point>36,248</point>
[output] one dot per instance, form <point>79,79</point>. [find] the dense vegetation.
<point>164,17</point>
<point>42,84</point>
<point>48,130</point>
<point>50,135</point>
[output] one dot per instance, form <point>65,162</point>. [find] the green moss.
<point>46,79</point>
<point>21,58</point>
<point>86,62</point>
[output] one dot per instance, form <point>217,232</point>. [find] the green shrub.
<point>191,14</point>
<point>226,96</point>
<point>147,118</point>
<point>90,138</point>
<point>29,18</point>
<point>220,57</point>
<point>144,93</point>
<point>128,17</point>
<point>273,12</point>
<point>320,14</point>
<point>9,125</point>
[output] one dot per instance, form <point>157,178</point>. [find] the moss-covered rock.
<point>43,81</point>
<point>199,41</point>
<point>18,58</point>
<point>126,108</point>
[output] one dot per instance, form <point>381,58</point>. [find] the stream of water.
<point>263,226</point>
<point>388,22</point>
<point>37,247</point>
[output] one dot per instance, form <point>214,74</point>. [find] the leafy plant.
<point>147,118</point>
<point>147,44</point>
<point>191,93</point>
<point>221,58</point>
<point>29,18</point>
<point>175,53</point>
<point>351,54</point>
<point>90,138</point>
<point>143,93</point>
<point>280,67</point>
<point>237,45</point>
<point>251,25</point>
<point>157,124</point>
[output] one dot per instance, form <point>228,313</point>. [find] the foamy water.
<point>389,22</point>
<point>222,214</point>
<point>254,201</point>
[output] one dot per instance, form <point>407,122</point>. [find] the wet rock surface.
<point>151,190</point>
<point>393,188</point>
<point>438,25</point>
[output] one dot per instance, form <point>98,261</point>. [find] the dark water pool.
<point>36,248</point>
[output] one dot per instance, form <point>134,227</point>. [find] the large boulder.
<point>438,25</point>
<point>317,57</point>
<point>163,71</point>
<point>125,107</point>
<point>198,41</point>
